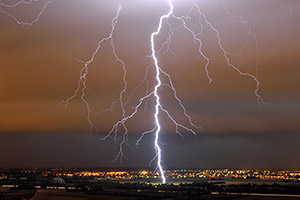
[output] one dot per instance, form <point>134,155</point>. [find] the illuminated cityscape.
<point>143,175</point>
<point>182,183</point>
<point>182,174</point>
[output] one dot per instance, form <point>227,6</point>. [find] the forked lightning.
<point>154,93</point>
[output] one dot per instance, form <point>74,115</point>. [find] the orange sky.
<point>39,69</point>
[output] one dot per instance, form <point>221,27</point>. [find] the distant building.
<point>58,180</point>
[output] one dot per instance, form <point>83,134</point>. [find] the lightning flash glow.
<point>122,137</point>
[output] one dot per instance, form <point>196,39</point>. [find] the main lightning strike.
<point>158,106</point>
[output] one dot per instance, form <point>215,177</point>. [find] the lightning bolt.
<point>4,6</point>
<point>225,53</point>
<point>250,33</point>
<point>154,93</point>
<point>84,72</point>
<point>290,15</point>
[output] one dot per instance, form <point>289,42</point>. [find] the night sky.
<point>39,69</point>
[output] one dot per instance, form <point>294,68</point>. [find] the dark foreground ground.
<point>62,195</point>
<point>108,190</point>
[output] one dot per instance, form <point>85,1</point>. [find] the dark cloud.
<point>272,150</point>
